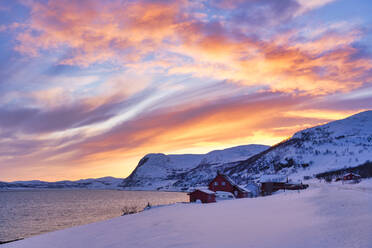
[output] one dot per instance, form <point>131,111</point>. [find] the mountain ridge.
<point>89,183</point>
<point>157,171</point>
<point>338,144</point>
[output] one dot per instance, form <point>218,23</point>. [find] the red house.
<point>202,195</point>
<point>351,176</point>
<point>224,183</point>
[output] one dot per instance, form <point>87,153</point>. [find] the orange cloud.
<point>127,32</point>
<point>191,127</point>
<point>209,125</point>
<point>96,31</point>
<point>315,67</point>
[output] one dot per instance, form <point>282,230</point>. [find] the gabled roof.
<point>241,188</point>
<point>207,191</point>
<point>227,178</point>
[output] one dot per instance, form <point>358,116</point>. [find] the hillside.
<point>336,145</point>
<point>160,171</point>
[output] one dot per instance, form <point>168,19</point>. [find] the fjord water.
<point>27,213</point>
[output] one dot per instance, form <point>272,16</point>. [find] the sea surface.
<point>32,212</point>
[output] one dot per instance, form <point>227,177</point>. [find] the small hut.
<point>351,176</point>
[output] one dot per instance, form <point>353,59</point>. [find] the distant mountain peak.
<point>160,171</point>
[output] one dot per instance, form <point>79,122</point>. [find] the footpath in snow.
<point>322,216</point>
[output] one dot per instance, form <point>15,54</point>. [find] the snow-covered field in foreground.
<point>332,215</point>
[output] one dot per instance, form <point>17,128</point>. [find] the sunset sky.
<point>89,87</point>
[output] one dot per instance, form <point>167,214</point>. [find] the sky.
<point>88,87</point>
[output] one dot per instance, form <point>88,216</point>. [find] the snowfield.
<point>325,215</point>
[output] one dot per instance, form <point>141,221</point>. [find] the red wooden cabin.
<point>202,195</point>
<point>351,176</point>
<point>224,183</point>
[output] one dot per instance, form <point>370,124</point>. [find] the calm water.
<point>28,213</point>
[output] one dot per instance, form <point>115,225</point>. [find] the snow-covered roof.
<point>229,180</point>
<point>207,191</point>
<point>243,188</point>
<point>354,174</point>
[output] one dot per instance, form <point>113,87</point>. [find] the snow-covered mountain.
<point>92,183</point>
<point>336,145</point>
<point>160,171</point>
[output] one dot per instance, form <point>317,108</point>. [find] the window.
<point>215,183</point>
<point>223,183</point>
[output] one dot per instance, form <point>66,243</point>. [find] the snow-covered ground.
<point>325,215</point>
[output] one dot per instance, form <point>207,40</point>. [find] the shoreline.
<point>28,213</point>
<point>119,189</point>
<point>10,241</point>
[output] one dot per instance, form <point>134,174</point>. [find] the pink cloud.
<point>96,31</point>
<point>127,32</point>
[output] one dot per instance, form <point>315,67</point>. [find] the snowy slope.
<point>160,171</point>
<point>339,144</point>
<point>91,183</point>
<point>324,216</point>
<point>228,155</point>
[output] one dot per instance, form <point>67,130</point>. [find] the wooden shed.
<point>202,195</point>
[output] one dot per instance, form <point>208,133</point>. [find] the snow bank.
<point>323,216</point>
